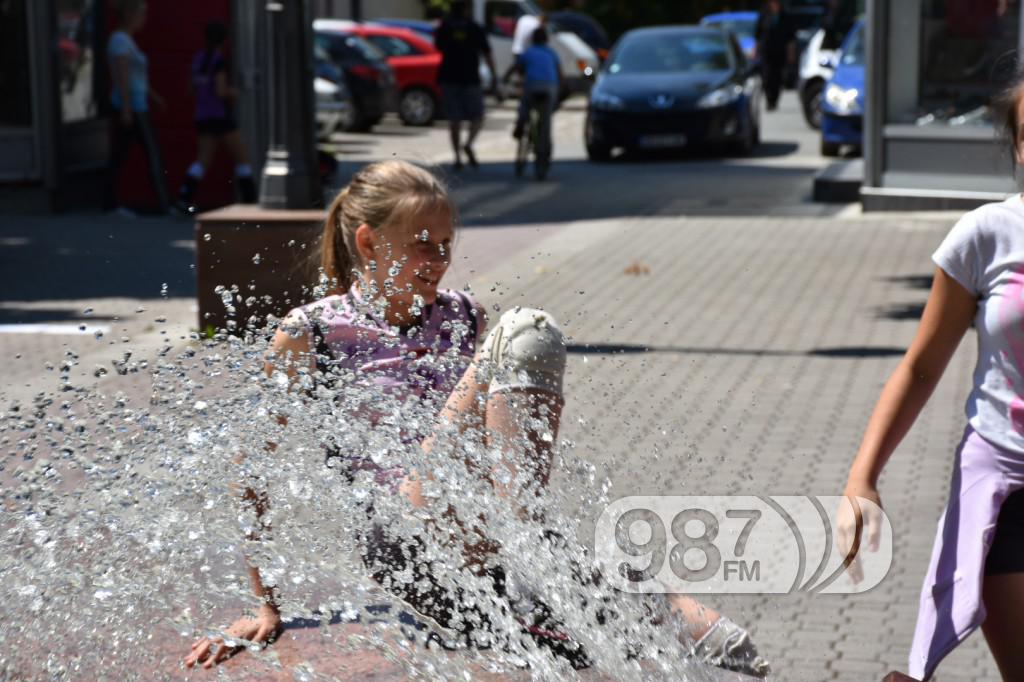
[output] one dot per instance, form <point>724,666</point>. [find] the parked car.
<point>584,26</point>
<point>415,61</point>
<point>370,80</point>
<point>742,24</point>
<point>423,27</point>
<point>334,109</point>
<point>674,86</point>
<point>842,107</point>
<point>817,65</point>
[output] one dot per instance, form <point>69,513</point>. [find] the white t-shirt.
<point>984,252</point>
<point>523,36</point>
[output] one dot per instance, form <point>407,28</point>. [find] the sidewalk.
<point>770,340</point>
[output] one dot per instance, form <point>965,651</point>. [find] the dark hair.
<point>1004,114</point>
<point>216,33</point>
<point>458,8</point>
<point>540,36</point>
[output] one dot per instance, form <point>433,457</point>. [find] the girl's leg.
<point>243,171</point>
<point>206,147</point>
<point>1004,602</point>
<point>121,139</point>
<point>147,135</point>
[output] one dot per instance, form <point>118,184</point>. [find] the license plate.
<point>659,141</point>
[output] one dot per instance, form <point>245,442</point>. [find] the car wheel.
<point>595,150</point>
<point>417,107</point>
<point>829,148</point>
<point>811,100</point>
<point>347,119</point>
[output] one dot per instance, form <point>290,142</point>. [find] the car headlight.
<point>843,100</point>
<point>726,94</point>
<point>607,101</point>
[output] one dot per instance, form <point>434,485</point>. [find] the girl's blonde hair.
<point>380,194</point>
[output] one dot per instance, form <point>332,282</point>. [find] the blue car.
<point>742,24</point>
<point>842,107</point>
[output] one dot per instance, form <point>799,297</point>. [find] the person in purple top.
<point>387,243</point>
<point>976,574</point>
<point>215,122</point>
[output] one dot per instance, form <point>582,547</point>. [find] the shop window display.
<point>968,50</point>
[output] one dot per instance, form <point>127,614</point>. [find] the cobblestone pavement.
<point>743,356</point>
<point>769,339</point>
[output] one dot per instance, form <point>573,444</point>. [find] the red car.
<point>415,61</point>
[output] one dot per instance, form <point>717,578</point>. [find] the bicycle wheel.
<point>522,154</point>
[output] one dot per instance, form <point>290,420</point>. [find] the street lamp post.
<point>290,174</point>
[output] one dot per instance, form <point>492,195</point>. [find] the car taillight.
<point>602,54</point>
<point>364,71</point>
<point>584,68</point>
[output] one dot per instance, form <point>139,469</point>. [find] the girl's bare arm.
<point>947,316</point>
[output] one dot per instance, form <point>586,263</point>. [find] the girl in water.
<point>387,242</point>
<point>976,574</point>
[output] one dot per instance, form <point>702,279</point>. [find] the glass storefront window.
<point>76,40</point>
<point>966,52</point>
<point>15,86</point>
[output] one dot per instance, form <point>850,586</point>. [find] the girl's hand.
<point>257,630</point>
<point>858,524</point>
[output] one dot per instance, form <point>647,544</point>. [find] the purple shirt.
<point>205,68</point>
<point>424,360</point>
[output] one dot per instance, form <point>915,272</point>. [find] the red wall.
<point>172,35</point>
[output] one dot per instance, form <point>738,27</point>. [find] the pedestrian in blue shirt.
<point>130,97</point>
<point>542,83</point>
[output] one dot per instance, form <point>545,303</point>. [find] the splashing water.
<point>124,534</point>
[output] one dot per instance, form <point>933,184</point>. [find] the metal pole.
<point>291,173</point>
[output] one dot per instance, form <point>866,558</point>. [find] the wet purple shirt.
<point>424,360</point>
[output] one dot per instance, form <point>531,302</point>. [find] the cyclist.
<point>542,76</point>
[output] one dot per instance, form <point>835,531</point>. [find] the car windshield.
<point>853,49</point>
<point>673,52</point>
<point>743,28</point>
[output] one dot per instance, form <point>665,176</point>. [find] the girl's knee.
<point>525,350</point>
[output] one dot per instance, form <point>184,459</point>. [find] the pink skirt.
<point>951,604</point>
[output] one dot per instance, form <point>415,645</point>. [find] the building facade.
<point>932,135</point>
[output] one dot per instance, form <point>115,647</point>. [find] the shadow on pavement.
<point>91,255</point>
<point>632,349</point>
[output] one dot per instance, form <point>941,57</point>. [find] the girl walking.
<point>976,575</point>
<point>215,123</point>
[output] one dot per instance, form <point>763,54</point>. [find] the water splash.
<point>124,534</point>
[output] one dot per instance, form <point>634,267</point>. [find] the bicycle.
<point>536,138</point>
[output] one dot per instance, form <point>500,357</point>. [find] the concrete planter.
<point>266,259</point>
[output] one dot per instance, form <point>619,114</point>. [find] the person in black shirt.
<point>775,48</point>
<point>462,42</point>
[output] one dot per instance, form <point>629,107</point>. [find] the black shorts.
<point>397,565</point>
<point>216,126</point>
<point>1006,555</point>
